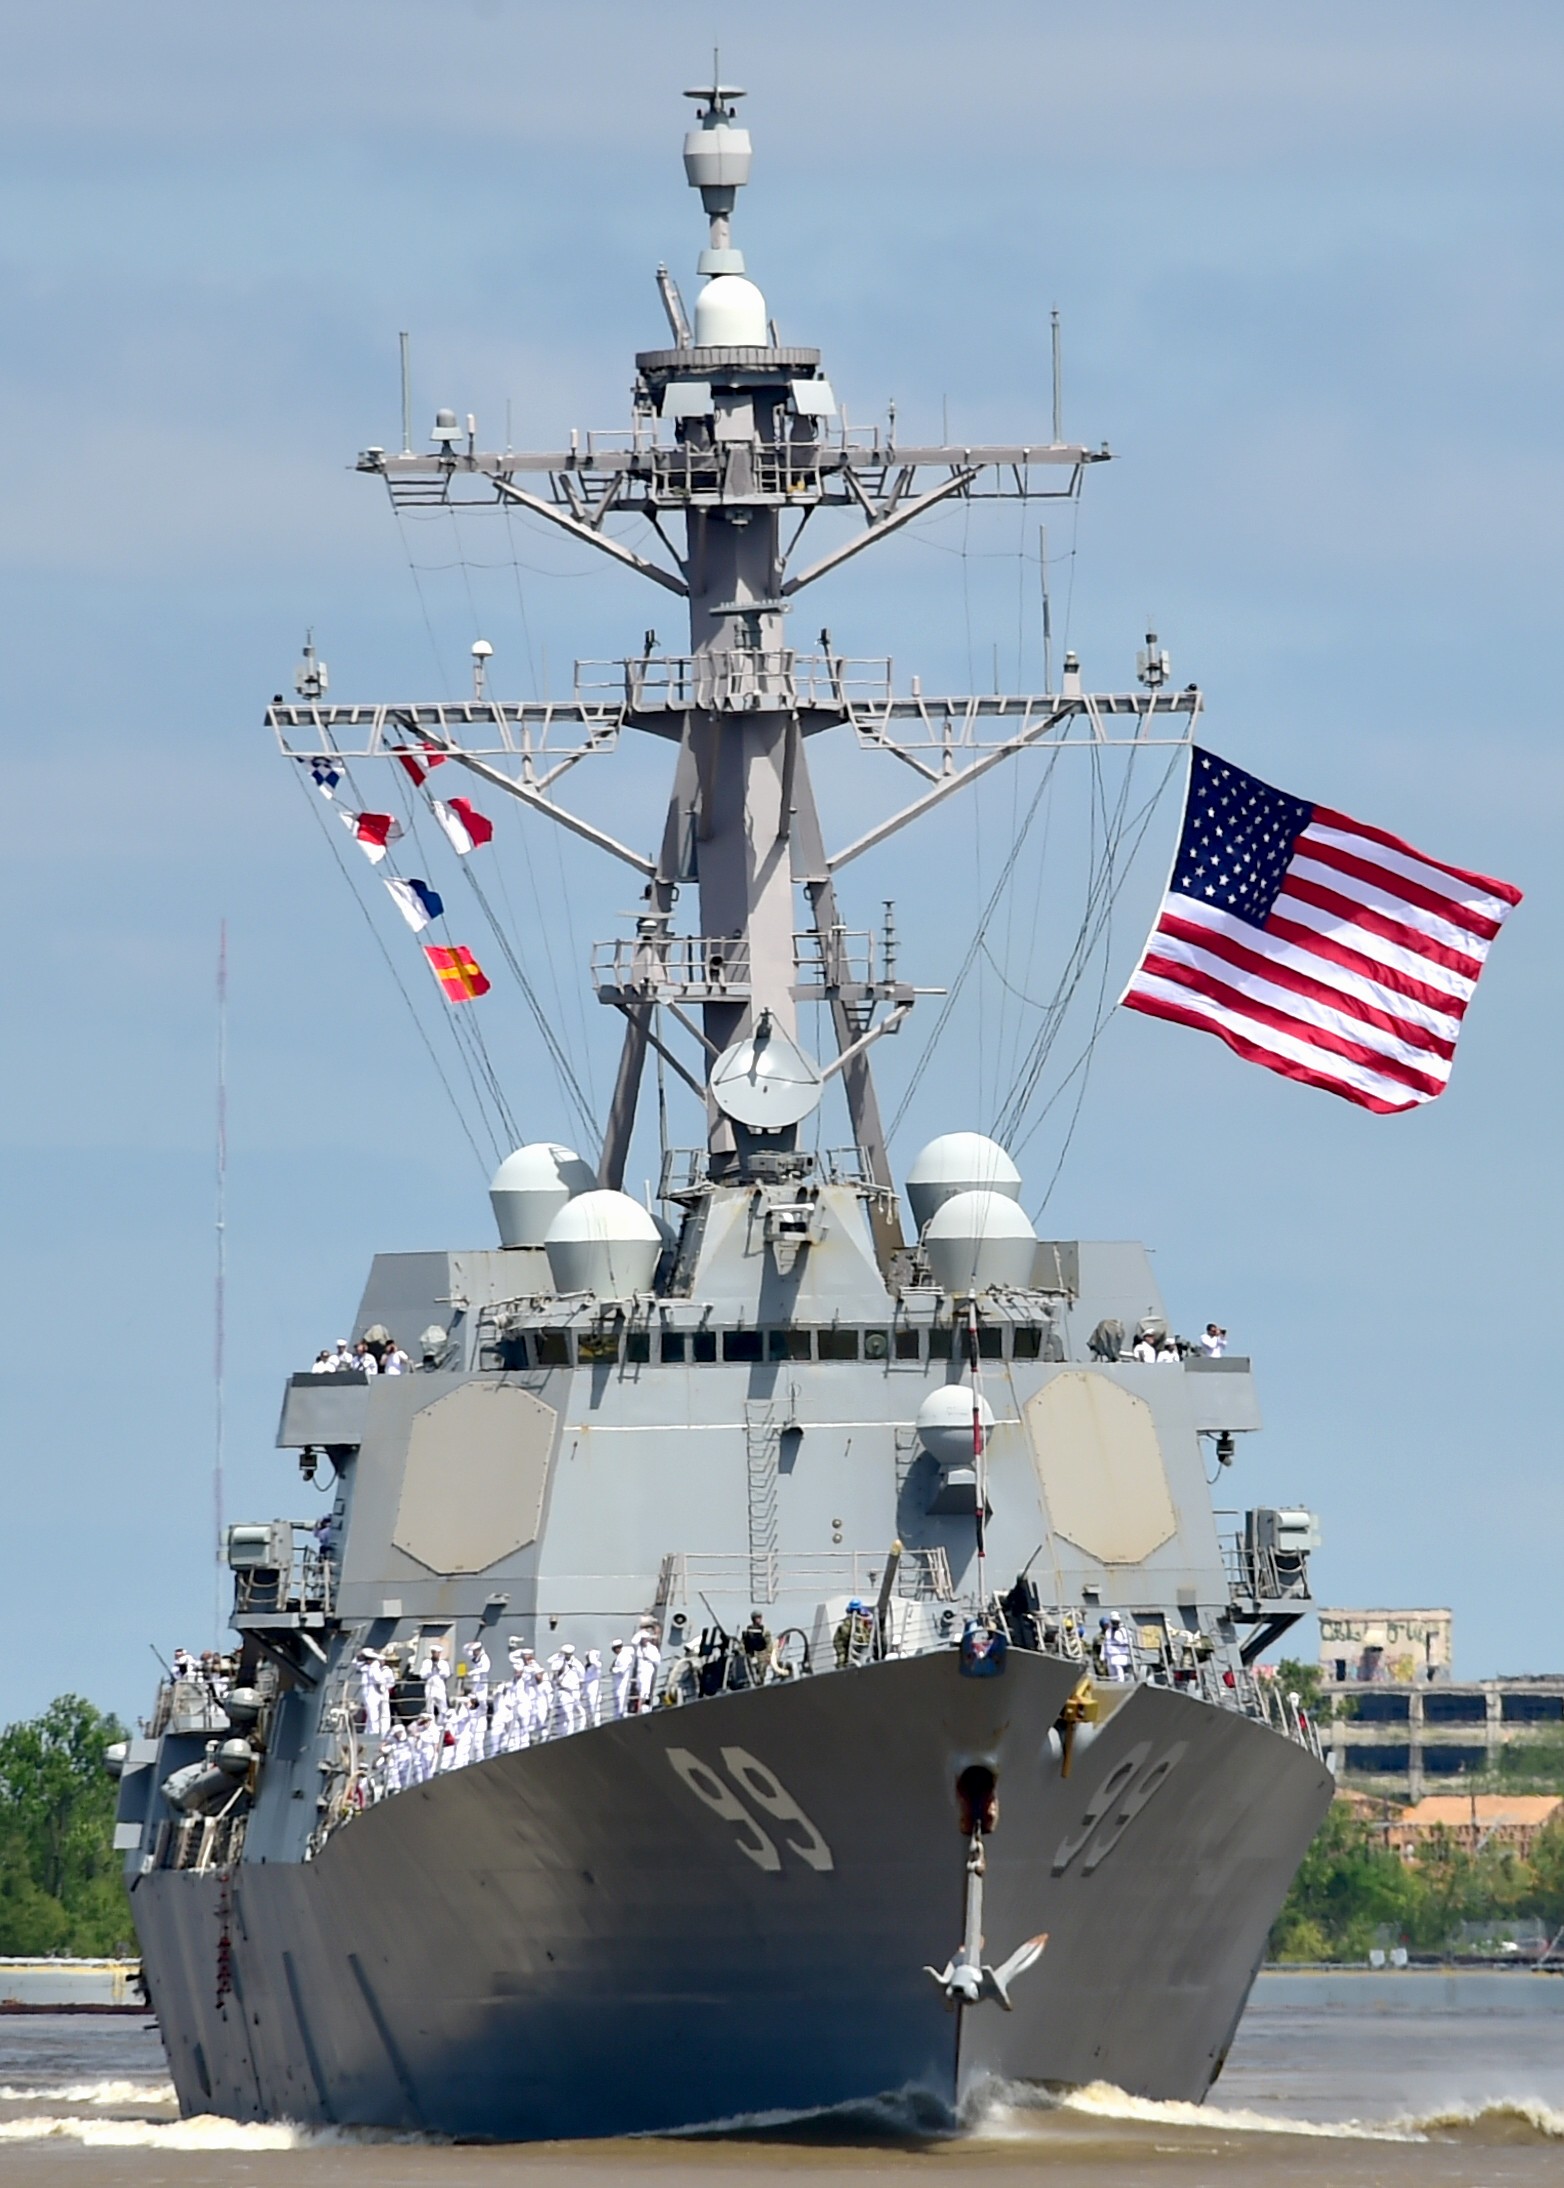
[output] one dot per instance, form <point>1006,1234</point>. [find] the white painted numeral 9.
<point>1107,1793</point>
<point>705,1784</point>
<point>767,1791</point>
<point>1127,1809</point>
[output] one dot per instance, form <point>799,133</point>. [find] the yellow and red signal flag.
<point>458,972</point>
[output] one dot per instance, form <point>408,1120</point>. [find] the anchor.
<point>966,1978</point>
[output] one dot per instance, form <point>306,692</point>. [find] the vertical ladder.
<point>762,1440</point>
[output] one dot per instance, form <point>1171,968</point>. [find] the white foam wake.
<point>205,2132</point>
<point>1007,2113</point>
<point>1101,2100</point>
<point>102,2093</point>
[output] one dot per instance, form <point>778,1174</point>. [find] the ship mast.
<point>731,433</point>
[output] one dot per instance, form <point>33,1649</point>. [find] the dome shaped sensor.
<point>977,1242</point>
<point>531,1186</point>
<point>959,1162</point>
<point>944,1423</point>
<point>604,1243</point>
<point>730,313</point>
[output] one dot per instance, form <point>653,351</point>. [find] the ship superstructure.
<point>992,1787</point>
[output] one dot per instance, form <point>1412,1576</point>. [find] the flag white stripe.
<point>1375,898</point>
<point>1413,869</point>
<point>1394,954</point>
<point>1323,1060</point>
<point>1352,986</point>
<point>1302,1007</point>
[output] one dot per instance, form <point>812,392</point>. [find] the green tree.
<point>1543,1888</point>
<point>60,1888</point>
<point>1349,1886</point>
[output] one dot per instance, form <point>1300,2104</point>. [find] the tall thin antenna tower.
<point>220,1285</point>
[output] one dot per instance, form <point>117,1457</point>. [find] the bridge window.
<point>672,1346</point>
<point>909,1344</point>
<point>638,1348</point>
<point>597,1345</point>
<point>1027,1343</point>
<point>703,1345</point>
<point>789,1344</point>
<point>552,1348</point>
<point>838,1344</point>
<point>741,1344</point>
<point>876,1344</point>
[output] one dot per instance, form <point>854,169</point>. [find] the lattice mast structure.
<point>736,444</point>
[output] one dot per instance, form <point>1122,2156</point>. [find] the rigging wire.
<point>401,988</point>
<point>506,938</point>
<point>466,1031</point>
<point>1108,878</point>
<point>1081,1067</point>
<point>413,806</point>
<point>970,959</point>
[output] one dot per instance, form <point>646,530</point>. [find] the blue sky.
<point>1308,268</point>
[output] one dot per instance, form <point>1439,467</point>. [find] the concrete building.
<point>1399,1718</point>
<point>1372,1648</point>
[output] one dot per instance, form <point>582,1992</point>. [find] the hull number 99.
<point>763,1789</point>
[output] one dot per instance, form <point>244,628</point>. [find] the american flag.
<point>1313,944</point>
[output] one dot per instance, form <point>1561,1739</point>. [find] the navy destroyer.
<point>779,1654</point>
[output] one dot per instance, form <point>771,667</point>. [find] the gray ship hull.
<point>578,1941</point>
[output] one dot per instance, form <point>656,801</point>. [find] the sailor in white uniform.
<point>648,1657</point>
<point>538,1702</point>
<point>435,1674</point>
<point>569,1677</point>
<point>1117,1655</point>
<point>374,1698</point>
<point>478,1669</point>
<point>591,1685</point>
<point>621,1673</point>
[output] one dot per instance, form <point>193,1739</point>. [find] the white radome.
<point>944,1423</point>
<point>976,1242</point>
<point>531,1186</point>
<point>959,1162</point>
<point>604,1243</point>
<point>730,313</point>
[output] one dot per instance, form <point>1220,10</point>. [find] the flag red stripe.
<point>1372,968</point>
<point>1254,1052</point>
<point>1319,1037</point>
<point>1328,817</point>
<point>1281,975</point>
<point>1397,885</point>
<point>1352,914</point>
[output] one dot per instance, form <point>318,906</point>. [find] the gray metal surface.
<point>567,1942</point>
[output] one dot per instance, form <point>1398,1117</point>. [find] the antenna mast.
<point>220,1286</point>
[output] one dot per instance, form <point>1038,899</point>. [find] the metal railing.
<point>306,1585</point>
<point>694,968</point>
<point>922,1576</point>
<point>1259,1575</point>
<point>737,676</point>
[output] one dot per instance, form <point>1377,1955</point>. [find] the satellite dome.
<point>605,1243</point>
<point>959,1162</point>
<point>944,1423</point>
<point>532,1185</point>
<point>730,313</point>
<point>976,1241</point>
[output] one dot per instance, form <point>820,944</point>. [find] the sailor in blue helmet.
<point>854,1637</point>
